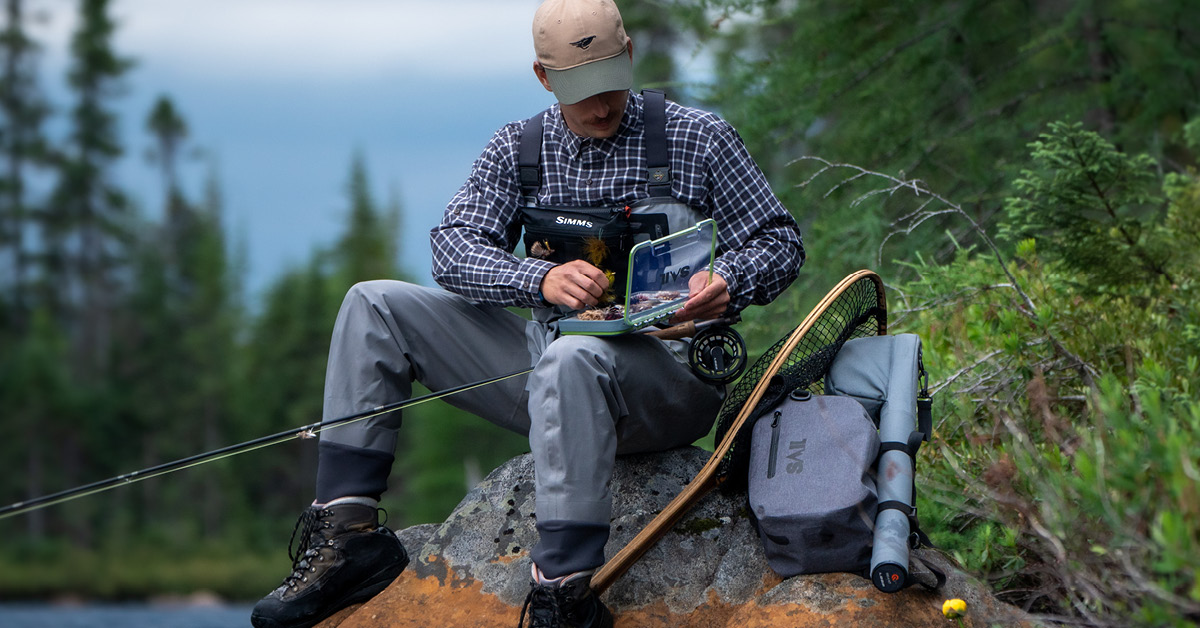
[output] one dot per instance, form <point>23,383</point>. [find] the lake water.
<point>122,616</point>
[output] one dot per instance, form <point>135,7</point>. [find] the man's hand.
<point>707,300</point>
<point>576,284</point>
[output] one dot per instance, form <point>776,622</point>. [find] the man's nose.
<point>597,107</point>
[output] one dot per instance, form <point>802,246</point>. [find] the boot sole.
<point>374,586</point>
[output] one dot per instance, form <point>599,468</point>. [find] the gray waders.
<point>586,401</point>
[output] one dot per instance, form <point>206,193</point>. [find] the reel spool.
<point>717,354</point>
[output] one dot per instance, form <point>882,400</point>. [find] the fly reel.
<point>717,354</point>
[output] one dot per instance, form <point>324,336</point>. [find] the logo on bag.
<point>795,453</point>
<point>671,276</point>
<point>574,222</point>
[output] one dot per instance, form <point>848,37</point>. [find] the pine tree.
<point>87,225</point>
<point>658,36</point>
<point>169,131</point>
<point>178,335</point>
<point>368,247</point>
<point>24,149</point>
<point>25,153</point>
<point>284,373</point>
<point>948,92</point>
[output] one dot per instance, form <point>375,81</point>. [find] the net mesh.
<point>858,311</point>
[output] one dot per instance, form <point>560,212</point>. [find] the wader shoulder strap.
<point>529,157</point>
<point>658,172</point>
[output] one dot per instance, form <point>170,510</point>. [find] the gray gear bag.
<point>811,484</point>
<point>831,478</point>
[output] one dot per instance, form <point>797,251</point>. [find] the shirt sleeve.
<point>473,245</point>
<point>760,246</point>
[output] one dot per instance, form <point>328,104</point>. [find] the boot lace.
<point>311,521</point>
<point>545,608</point>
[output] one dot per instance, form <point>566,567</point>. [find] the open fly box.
<point>656,282</point>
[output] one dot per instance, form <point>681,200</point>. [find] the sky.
<point>280,94</point>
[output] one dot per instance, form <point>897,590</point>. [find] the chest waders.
<point>602,236</point>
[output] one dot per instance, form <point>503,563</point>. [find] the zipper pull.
<point>773,451</point>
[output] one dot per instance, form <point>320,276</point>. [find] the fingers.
<point>576,284</point>
<point>706,311</point>
<point>707,301</point>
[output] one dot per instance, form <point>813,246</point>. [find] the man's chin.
<point>603,130</point>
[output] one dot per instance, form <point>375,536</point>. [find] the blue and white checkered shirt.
<point>759,250</point>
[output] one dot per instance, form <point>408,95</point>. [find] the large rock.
<point>473,570</point>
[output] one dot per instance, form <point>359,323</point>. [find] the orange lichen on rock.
<point>337,618</point>
<point>829,600</point>
<point>420,602</point>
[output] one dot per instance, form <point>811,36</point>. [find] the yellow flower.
<point>954,608</point>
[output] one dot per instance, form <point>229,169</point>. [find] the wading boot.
<point>345,557</point>
<point>566,602</point>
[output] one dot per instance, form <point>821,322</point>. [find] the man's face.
<point>597,116</point>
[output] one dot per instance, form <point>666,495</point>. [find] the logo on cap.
<point>583,44</point>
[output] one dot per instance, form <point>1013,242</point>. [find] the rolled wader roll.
<point>881,372</point>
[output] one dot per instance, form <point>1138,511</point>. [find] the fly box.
<point>656,283</point>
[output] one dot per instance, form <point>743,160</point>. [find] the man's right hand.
<point>576,284</point>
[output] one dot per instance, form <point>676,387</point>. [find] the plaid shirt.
<point>759,251</point>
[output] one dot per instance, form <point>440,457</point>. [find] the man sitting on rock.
<point>587,399</point>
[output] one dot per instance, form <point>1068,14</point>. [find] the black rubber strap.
<point>658,171</point>
<point>914,445</point>
<point>893,504</point>
<point>911,447</point>
<point>924,400</point>
<point>925,417</point>
<point>529,157</point>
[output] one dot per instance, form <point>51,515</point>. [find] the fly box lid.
<point>657,281</point>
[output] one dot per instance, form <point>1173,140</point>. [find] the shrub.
<point>1065,465</point>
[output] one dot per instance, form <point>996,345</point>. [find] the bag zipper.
<point>598,231</point>
<point>604,211</point>
<point>774,444</point>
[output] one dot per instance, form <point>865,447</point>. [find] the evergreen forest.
<point>1023,174</point>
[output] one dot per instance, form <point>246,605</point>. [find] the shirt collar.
<point>572,145</point>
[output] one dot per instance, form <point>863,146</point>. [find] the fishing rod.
<point>311,430</point>
<point>303,432</point>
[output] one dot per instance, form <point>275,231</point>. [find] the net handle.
<point>706,478</point>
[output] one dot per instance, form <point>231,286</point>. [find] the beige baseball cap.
<point>583,47</point>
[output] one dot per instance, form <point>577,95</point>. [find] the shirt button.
<point>589,181</point>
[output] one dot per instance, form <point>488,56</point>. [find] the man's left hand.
<point>708,300</point>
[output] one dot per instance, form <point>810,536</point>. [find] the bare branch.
<point>894,184</point>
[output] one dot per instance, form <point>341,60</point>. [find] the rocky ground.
<point>473,569</point>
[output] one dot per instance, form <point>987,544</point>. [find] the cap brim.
<point>606,75</point>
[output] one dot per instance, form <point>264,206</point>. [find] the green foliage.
<point>368,249</point>
<point>86,205</point>
<point>1065,462</point>
<point>138,569</point>
<point>169,130</point>
<point>946,92</point>
<point>1093,208</point>
<point>659,37</point>
<point>25,152</point>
